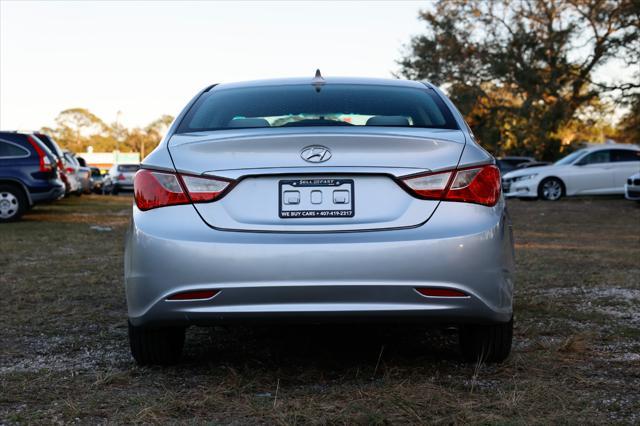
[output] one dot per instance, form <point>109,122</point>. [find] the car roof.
<point>612,146</point>
<point>326,81</point>
<point>17,132</point>
<point>515,157</point>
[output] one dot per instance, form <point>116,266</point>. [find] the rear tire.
<point>156,346</point>
<point>486,343</point>
<point>13,203</point>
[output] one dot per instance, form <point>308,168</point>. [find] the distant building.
<point>105,160</point>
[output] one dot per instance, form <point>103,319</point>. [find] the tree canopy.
<point>523,71</point>
<point>77,129</point>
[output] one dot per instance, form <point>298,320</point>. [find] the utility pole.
<point>118,135</point>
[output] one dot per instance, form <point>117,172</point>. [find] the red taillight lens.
<point>154,189</point>
<point>480,185</point>
<point>69,169</point>
<point>193,295</point>
<point>45,162</point>
<point>157,189</point>
<point>440,292</point>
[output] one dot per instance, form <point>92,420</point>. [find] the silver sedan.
<point>314,199</point>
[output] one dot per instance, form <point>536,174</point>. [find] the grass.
<point>64,354</point>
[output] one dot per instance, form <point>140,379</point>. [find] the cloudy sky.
<point>147,59</point>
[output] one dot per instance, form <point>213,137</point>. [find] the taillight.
<point>430,186</point>
<point>154,189</point>
<point>479,185</point>
<point>69,170</point>
<point>45,161</point>
<point>440,292</point>
<point>203,189</point>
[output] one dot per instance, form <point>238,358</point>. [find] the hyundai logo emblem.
<point>315,154</point>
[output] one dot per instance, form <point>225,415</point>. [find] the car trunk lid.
<point>354,189</point>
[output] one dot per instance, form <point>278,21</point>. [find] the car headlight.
<point>525,177</point>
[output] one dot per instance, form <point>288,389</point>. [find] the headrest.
<point>388,120</point>
<point>248,122</point>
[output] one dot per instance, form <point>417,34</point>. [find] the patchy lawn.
<point>64,354</point>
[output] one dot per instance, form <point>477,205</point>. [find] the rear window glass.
<point>327,105</point>
<point>71,159</point>
<point>128,168</point>
<point>50,144</point>
<point>622,155</point>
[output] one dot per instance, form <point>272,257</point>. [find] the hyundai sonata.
<point>316,200</point>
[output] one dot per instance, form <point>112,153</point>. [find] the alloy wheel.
<point>552,190</point>
<point>9,205</point>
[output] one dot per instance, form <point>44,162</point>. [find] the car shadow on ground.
<point>324,346</point>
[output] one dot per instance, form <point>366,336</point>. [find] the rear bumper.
<point>56,191</point>
<point>326,276</point>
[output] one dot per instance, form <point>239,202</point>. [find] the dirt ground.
<point>64,356</point>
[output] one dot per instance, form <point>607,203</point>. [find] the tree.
<point>75,125</point>
<point>629,130</point>
<point>155,131</point>
<point>523,70</point>
<point>78,128</point>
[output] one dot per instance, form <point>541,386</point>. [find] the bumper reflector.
<point>193,295</point>
<point>440,292</point>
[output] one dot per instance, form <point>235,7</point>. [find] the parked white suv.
<point>602,169</point>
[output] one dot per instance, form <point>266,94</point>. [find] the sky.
<point>146,59</point>
<point>149,58</point>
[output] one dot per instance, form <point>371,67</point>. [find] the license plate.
<point>319,198</point>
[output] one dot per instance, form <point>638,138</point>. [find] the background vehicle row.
<point>29,174</point>
<point>596,170</point>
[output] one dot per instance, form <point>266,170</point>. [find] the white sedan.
<point>632,188</point>
<point>602,169</point>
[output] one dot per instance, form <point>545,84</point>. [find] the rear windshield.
<point>128,168</point>
<point>327,105</point>
<point>50,143</point>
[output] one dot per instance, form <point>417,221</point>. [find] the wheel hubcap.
<point>8,205</point>
<point>552,190</point>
